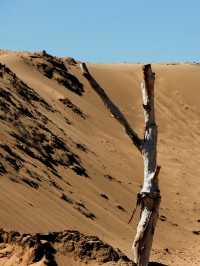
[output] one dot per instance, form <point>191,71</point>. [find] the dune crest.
<point>68,164</point>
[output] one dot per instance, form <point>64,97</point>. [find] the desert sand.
<point>68,164</point>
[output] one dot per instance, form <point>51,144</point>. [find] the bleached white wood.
<point>149,196</point>
<point>150,193</point>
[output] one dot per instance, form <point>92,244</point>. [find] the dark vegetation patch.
<point>10,108</point>
<point>79,170</point>
<point>174,224</point>
<point>30,183</point>
<point>67,103</point>
<point>34,175</point>
<point>121,208</point>
<point>67,121</point>
<point>163,218</point>
<point>86,213</point>
<point>111,178</point>
<point>55,68</point>
<point>55,184</point>
<point>32,133</point>
<point>104,196</point>
<point>66,198</point>
<point>15,179</point>
<point>2,168</point>
<point>81,147</point>
<point>10,157</point>
<point>70,61</point>
<point>196,232</point>
<point>11,84</point>
<point>17,105</point>
<point>43,145</point>
<point>79,206</point>
<point>68,183</point>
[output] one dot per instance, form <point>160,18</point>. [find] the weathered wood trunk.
<point>149,197</point>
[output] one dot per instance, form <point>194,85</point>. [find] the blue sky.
<point>104,31</point>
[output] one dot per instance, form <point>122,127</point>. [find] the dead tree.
<point>149,196</point>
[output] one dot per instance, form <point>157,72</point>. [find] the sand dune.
<point>68,164</point>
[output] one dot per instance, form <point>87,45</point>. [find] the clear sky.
<point>104,30</point>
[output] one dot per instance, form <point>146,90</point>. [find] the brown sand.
<point>70,165</point>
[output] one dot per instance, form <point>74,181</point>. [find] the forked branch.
<point>150,193</point>
<point>149,196</point>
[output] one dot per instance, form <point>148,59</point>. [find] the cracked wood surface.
<point>150,193</point>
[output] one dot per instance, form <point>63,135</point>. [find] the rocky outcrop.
<point>33,248</point>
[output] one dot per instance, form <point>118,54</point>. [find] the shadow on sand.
<point>157,264</point>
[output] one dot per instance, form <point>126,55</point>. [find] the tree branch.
<point>150,193</point>
<point>115,111</point>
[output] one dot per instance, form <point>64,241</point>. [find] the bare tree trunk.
<point>149,197</point>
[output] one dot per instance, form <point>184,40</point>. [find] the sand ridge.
<point>69,164</point>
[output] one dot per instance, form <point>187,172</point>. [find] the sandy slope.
<point>100,200</point>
